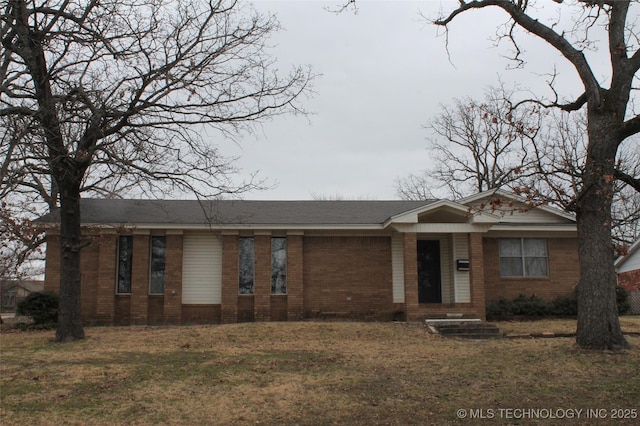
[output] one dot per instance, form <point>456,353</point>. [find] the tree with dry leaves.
<point>610,120</point>
<point>111,93</point>
<point>477,146</point>
<point>559,155</point>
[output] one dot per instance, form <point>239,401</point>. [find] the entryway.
<point>429,274</point>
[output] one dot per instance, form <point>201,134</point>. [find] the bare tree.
<point>610,120</point>
<point>133,92</point>
<point>417,187</point>
<point>26,192</point>
<point>476,146</point>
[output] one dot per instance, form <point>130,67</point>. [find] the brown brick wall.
<point>347,276</point>
<point>563,272</point>
<point>229,308</point>
<point>279,308</point>
<point>98,261</point>
<point>262,278</point>
<point>155,312</point>
<point>200,314</point>
<point>477,262</point>
<point>106,281</point>
<point>630,280</point>
<point>172,310</point>
<point>295,278</point>
<point>122,310</point>
<point>140,280</point>
<point>93,272</point>
<point>52,263</point>
<point>89,272</point>
<point>326,276</point>
<point>246,308</point>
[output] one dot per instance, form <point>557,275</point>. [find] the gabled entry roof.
<point>444,206</point>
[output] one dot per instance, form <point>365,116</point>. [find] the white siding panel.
<point>201,269</point>
<point>522,213</point>
<point>533,215</point>
<point>462,282</point>
<point>397,267</point>
<point>631,263</point>
<point>446,268</point>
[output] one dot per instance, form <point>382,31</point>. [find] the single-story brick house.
<point>227,261</point>
<point>628,270</point>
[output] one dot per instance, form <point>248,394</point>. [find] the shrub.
<point>530,306</point>
<point>500,309</point>
<point>622,298</point>
<point>535,307</point>
<point>565,306</point>
<point>41,307</point>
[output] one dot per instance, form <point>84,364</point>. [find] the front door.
<point>429,285</point>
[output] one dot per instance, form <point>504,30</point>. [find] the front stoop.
<point>472,328</point>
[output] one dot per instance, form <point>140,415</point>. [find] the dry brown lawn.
<point>629,324</point>
<point>311,373</point>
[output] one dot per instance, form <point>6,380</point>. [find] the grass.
<point>308,373</point>
<point>629,324</point>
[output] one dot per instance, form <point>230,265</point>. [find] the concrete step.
<point>465,329</point>
<point>474,336</point>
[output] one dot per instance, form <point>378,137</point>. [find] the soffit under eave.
<point>233,227</point>
<point>528,230</point>
<point>441,228</point>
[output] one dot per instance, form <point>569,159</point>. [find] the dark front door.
<point>429,286</point>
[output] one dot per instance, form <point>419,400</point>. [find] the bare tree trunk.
<point>69,315</point>
<point>598,323</point>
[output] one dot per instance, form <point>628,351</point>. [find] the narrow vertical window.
<point>246,258</point>
<point>278,266</point>
<point>125,262</point>
<point>158,253</point>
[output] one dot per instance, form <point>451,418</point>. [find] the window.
<point>246,258</point>
<point>278,266</point>
<point>125,261</point>
<point>158,251</point>
<point>523,257</point>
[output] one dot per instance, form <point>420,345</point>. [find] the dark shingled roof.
<point>238,212</point>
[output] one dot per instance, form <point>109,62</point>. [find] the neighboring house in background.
<point>184,262</point>
<point>13,292</point>
<point>628,270</point>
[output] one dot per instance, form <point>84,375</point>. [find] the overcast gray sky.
<point>385,73</point>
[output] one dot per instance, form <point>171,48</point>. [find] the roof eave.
<point>548,227</point>
<point>622,259</point>
<point>242,226</point>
